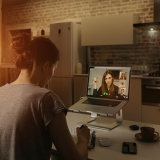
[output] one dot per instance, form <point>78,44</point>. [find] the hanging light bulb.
<point>151,29</point>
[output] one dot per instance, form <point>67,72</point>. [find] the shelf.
<point>148,26</point>
<point>45,36</point>
<point>7,65</point>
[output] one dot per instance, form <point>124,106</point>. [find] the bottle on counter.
<point>79,68</point>
<point>42,32</point>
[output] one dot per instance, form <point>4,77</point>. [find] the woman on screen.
<point>123,76</point>
<point>107,88</point>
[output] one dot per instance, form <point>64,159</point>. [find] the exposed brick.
<point>101,14</point>
<point>125,0</point>
<point>47,11</point>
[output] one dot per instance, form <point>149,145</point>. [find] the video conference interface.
<point>109,82</point>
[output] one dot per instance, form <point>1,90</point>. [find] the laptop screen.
<point>109,82</point>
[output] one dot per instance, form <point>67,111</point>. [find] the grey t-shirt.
<point>25,112</point>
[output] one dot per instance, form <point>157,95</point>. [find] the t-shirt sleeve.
<point>50,106</point>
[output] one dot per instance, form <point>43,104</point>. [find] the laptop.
<point>107,90</point>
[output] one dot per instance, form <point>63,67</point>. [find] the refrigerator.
<point>67,37</point>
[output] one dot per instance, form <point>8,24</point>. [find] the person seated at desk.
<point>31,116</point>
<point>107,89</point>
<point>122,85</point>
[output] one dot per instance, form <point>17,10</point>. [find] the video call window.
<point>122,90</point>
<point>106,83</point>
<point>122,84</point>
<point>123,75</point>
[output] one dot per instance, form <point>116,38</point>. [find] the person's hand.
<point>83,133</point>
<point>95,81</point>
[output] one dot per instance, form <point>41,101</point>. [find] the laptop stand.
<point>100,122</point>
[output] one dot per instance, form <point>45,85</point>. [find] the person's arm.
<point>63,140</point>
<point>99,93</point>
<point>95,92</point>
<point>116,90</point>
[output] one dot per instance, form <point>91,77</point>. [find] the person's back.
<point>23,133</point>
<point>32,117</point>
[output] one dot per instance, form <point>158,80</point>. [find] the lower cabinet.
<point>132,110</point>
<point>80,87</point>
<point>151,114</point>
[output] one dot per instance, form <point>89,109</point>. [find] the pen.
<point>81,126</point>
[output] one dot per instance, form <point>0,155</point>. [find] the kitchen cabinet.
<point>80,86</point>
<point>151,114</point>
<point>132,110</point>
<point>119,28</point>
<point>63,88</point>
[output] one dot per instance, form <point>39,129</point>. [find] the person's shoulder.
<point>35,91</point>
<point>116,87</point>
<point>100,88</point>
<point>50,95</point>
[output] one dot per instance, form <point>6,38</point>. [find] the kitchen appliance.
<point>156,72</point>
<point>151,92</point>
<point>67,37</point>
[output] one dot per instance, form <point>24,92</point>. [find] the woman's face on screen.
<point>108,79</point>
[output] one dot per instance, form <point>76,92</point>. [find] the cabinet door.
<point>63,88</point>
<point>132,110</point>
<point>150,114</point>
<point>80,87</point>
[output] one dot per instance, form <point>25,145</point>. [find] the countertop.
<point>132,76</point>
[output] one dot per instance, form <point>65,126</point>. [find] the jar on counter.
<point>79,68</point>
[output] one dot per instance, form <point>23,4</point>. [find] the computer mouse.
<point>105,142</point>
<point>134,127</point>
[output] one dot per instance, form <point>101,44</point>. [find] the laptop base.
<point>100,122</point>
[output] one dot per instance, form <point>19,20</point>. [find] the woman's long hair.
<point>104,85</point>
<point>122,76</point>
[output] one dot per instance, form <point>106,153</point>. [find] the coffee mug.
<point>148,133</point>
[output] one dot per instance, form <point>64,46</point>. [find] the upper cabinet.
<point>109,30</point>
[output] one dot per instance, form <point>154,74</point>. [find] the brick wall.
<point>45,12</point>
<point>142,58</point>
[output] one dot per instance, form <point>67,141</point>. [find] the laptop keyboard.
<point>108,103</point>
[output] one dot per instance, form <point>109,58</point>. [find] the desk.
<point>145,150</point>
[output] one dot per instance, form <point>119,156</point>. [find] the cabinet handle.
<point>152,87</point>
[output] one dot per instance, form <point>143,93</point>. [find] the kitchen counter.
<point>132,76</point>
